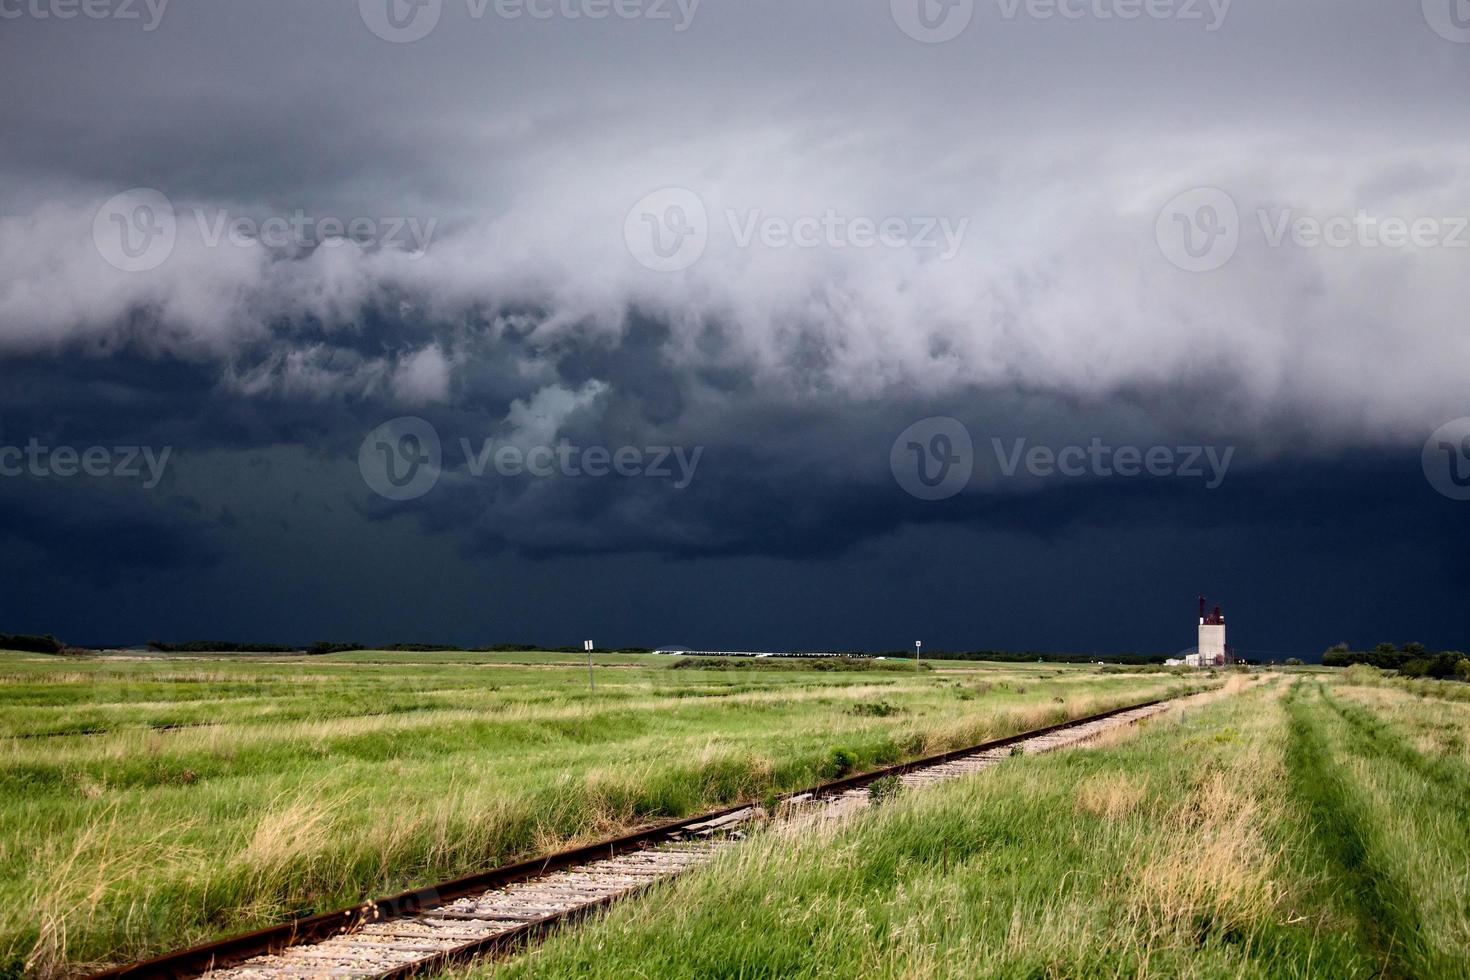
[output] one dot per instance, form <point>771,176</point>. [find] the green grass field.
<point>153,802</point>
<point>1295,828</point>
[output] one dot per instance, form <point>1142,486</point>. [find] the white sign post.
<point>918,646</point>
<point>591,682</point>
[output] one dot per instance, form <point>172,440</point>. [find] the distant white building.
<point>1211,651</point>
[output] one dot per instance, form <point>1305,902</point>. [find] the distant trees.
<point>1410,660</point>
<point>1385,656</point>
<point>30,643</point>
<point>321,647</point>
<point>1293,661</point>
<point>1442,666</point>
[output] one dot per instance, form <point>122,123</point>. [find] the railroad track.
<point>496,911</point>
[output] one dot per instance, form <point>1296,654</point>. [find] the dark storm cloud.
<point>103,534</point>
<point>520,314</point>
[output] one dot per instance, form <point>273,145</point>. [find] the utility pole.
<point>591,681</point>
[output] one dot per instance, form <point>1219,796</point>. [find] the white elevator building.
<point>1212,650</point>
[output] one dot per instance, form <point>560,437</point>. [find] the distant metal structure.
<point>1212,650</point>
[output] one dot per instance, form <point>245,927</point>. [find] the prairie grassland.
<point>1436,727</point>
<point>153,802</point>
<point>1270,833</point>
<point>1395,821</point>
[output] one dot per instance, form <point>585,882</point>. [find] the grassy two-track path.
<point>1290,829</point>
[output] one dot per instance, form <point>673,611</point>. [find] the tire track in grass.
<point>1450,778</point>
<point>1378,905</point>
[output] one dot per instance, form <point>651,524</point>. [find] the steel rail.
<point>223,953</point>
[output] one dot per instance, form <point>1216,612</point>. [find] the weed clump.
<point>882,790</point>
<point>874,709</point>
<point>839,763</point>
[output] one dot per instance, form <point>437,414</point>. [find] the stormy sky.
<point>763,324</point>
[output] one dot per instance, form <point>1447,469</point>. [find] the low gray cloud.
<point>883,230</point>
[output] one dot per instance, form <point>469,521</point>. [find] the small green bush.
<point>840,762</point>
<point>882,790</point>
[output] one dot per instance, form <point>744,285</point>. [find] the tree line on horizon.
<point>1410,660</point>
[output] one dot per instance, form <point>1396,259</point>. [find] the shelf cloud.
<point>779,233</point>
